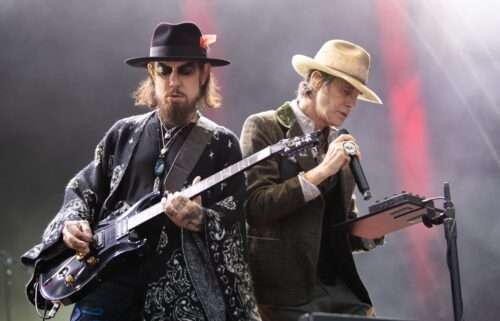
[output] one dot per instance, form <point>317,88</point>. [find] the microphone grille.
<point>342,131</point>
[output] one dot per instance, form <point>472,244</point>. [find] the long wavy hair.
<point>210,96</point>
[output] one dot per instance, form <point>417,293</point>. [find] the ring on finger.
<point>349,148</point>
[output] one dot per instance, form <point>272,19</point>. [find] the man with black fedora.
<point>193,266</point>
<point>298,264</point>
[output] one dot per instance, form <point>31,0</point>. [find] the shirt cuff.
<point>309,190</point>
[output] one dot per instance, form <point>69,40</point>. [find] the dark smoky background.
<point>63,84</point>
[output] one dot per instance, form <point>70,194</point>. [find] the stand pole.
<point>450,233</point>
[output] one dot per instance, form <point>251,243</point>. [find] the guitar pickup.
<point>98,240</point>
<point>121,228</point>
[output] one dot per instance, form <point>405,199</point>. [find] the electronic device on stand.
<point>406,209</point>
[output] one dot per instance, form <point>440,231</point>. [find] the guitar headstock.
<point>291,146</point>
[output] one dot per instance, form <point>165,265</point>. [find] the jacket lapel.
<point>346,185</point>
<point>127,148</point>
<point>286,118</point>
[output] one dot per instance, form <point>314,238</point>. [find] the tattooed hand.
<point>77,236</point>
<point>185,213</point>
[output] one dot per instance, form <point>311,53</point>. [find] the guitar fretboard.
<point>203,185</point>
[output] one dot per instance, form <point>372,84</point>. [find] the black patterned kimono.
<point>195,273</point>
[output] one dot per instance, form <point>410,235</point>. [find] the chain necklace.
<point>167,136</point>
<point>168,132</point>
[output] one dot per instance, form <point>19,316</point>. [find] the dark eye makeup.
<point>185,69</point>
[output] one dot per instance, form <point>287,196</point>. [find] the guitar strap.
<point>184,163</point>
<point>189,154</point>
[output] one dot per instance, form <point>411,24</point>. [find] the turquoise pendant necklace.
<point>160,164</point>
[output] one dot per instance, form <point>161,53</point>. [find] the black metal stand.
<point>450,233</point>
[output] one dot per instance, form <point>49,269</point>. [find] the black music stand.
<point>404,210</point>
<point>450,233</point>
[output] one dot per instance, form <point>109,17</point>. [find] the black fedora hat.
<point>182,41</point>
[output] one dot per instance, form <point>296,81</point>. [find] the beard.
<point>175,114</point>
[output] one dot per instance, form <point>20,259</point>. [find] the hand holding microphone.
<point>355,165</point>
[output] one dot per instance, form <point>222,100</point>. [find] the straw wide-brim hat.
<point>178,42</point>
<point>341,59</point>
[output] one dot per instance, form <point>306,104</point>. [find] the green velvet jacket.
<point>284,232</point>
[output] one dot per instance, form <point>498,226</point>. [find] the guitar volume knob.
<point>80,256</point>
<point>91,260</point>
<point>70,280</point>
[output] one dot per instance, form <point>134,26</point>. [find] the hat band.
<point>350,74</point>
<point>177,51</point>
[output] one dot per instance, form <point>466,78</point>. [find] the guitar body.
<point>70,278</point>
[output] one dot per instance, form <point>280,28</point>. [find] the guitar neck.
<point>197,189</point>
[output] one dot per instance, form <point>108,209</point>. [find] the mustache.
<point>176,92</point>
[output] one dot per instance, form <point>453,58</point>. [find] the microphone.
<point>357,171</point>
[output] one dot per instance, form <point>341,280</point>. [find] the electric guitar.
<point>67,279</point>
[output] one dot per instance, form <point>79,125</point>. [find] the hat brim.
<point>303,65</point>
<point>142,62</point>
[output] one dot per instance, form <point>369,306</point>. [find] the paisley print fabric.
<point>174,291</point>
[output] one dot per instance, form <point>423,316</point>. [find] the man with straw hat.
<point>298,264</point>
<point>193,267</point>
